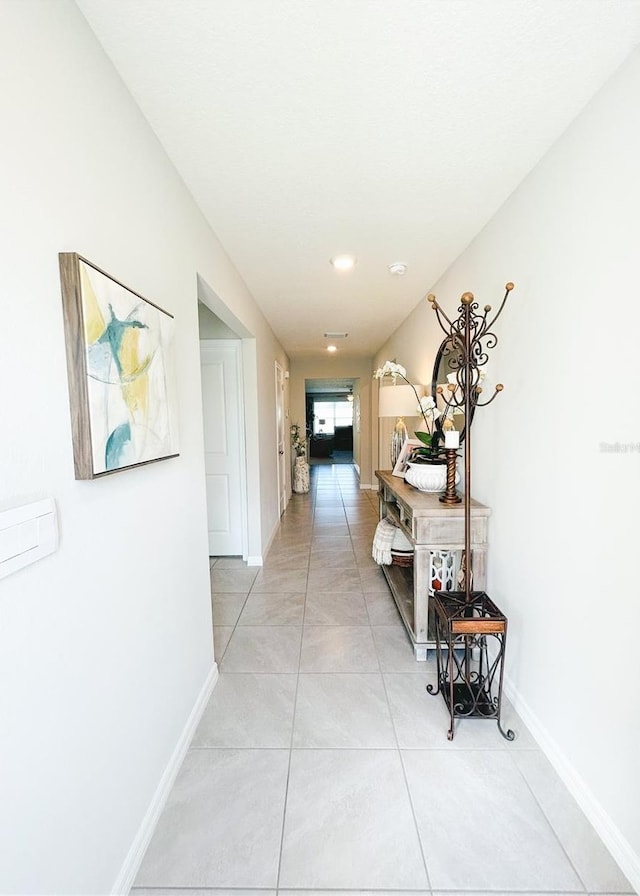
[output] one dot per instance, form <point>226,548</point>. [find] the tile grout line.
<point>293,720</point>
<point>380,673</point>
<point>546,818</point>
<point>299,517</point>
<point>404,771</point>
<point>400,757</point>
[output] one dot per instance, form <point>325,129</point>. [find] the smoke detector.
<point>398,268</point>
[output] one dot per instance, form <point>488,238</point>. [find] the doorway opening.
<point>223,426</point>
<point>280,441</point>
<point>227,419</point>
<point>330,420</point>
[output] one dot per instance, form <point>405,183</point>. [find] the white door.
<point>281,445</point>
<point>221,368</point>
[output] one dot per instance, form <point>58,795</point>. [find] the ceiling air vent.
<point>330,335</point>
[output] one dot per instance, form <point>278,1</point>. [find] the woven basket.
<point>401,550</point>
<point>401,558</point>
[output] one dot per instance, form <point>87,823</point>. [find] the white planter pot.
<point>428,477</point>
<point>300,483</point>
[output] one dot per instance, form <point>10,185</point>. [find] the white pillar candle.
<point>452,438</point>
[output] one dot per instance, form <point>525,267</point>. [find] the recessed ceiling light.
<point>398,268</point>
<point>331,348</point>
<point>343,262</point>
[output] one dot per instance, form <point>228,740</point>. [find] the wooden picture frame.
<point>403,458</point>
<point>120,370</point>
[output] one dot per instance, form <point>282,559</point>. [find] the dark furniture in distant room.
<point>322,445</point>
<point>343,438</point>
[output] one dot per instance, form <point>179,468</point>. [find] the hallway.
<point>321,763</point>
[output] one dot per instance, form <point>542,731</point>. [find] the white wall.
<point>106,645</point>
<point>563,535</point>
<point>211,327</point>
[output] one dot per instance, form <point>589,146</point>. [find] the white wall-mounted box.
<point>27,534</point>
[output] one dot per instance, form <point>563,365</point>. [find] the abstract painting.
<point>119,362</point>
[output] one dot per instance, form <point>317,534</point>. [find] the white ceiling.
<point>392,129</point>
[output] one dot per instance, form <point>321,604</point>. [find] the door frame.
<point>281,459</point>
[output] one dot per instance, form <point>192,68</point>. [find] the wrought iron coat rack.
<point>465,619</point>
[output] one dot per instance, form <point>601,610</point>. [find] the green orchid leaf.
<point>424,437</point>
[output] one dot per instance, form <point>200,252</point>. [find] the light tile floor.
<point>321,763</point>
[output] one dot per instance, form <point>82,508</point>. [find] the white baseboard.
<point>363,485</point>
<point>255,561</point>
<point>265,548</point>
<point>132,863</point>
<point>609,833</point>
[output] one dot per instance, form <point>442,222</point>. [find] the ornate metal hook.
<point>472,337</point>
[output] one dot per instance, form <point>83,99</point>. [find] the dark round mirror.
<point>448,361</point>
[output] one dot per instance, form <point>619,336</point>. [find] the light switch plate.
<point>27,534</point>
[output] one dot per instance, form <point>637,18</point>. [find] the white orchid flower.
<point>427,403</point>
<point>428,408</point>
<point>390,368</point>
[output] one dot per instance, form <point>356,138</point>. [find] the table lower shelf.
<point>400,582</point>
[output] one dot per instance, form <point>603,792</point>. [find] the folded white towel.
<point>383,541</point>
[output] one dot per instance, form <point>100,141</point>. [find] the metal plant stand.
<point>470,630</point>
<point>471,638</point>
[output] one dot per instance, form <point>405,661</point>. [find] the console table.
<point>430,526</point>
